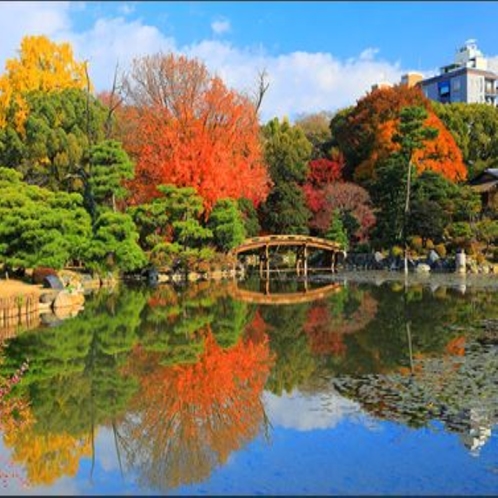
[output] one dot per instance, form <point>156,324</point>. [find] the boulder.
<point>422,268</point>
<point>53,282</point>
<point>49,296</point>
<point>378,256</point>
<point>66,299</point>
<point>432,257</point>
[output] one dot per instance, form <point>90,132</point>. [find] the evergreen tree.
<point>287,152</point>
<point>39,227</point>
<point>249,217</point>
<point>225,221</point>
<point>336,231</point>
<point>52,152</point>
<point>109,167</point>
<point>115,243</point>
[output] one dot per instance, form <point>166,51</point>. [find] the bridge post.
<point>305,260</point>
<point>264,257</point>
<point>267,258</point>
<point>298,260</point>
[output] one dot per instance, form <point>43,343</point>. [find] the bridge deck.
<point>287,240</point>
<point>285,298</point>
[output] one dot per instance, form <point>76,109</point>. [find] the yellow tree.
<point>41,65</point>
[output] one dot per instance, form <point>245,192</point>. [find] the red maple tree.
<point>188,129</point>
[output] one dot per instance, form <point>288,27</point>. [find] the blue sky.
<point>318,55</point>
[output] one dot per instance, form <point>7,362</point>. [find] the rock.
<point>432,257</point>
<point>48,297</point>
<point>67,311</point>
<point>53,282</point>
<point>422,268</point>
<point>66,299</point>
<point>378,257</point>
<point>50,319</point>
<point>89,282</point>
<point>70,278</point>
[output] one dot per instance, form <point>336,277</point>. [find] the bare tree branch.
<point>263,86</point>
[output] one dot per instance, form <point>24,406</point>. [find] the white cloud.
<point>126,8</point>
<point>112,41</point>
<point>306,413</point>
<point>369,54</point>
<point>221,26</point>
<point>300,82</point>
<point>18,19</point>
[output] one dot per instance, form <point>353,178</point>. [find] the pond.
<point>286,387</point>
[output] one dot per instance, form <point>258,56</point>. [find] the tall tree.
<point>109,167</point>
<point>316,127</point>
<point>60,127</point>
<point>42,65</point>
<point>364,135</point>
<point>475,129</point>
<point>287,152</point>
<point>411,135</point>
<point>190,130</point>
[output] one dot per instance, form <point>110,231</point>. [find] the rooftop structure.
<point>468,79</point>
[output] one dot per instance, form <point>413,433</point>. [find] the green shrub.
<point>397,251</point>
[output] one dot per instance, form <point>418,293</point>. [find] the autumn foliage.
<point>42,65</point>
<point>189,129</point>
<point>365,135</point>
<point>326,329</point>
<point>199,413</point>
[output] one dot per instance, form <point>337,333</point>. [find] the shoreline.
<point>378,277</point>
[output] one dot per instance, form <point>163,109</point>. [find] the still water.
<point>344,388</point>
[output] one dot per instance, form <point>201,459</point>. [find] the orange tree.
<point>364,134</point>
<point>186,128</point>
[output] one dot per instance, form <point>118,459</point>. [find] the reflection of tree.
<point>188,418</point>
<point>306,337</point>
<point>461,391</point>
<point>437,372</point>
<point>14,418</point>
<point>74,383</point>
<point>294,362</point>
<point>47,456</point>
<point>76,380</point>
<point>343,313</point>
<point>173,320</point>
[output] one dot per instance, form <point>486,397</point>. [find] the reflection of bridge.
<point>305,296</point>
<point>302,243</point>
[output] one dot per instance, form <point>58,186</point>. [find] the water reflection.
<point>184,378</point>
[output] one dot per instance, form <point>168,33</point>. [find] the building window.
<point>456,85</point>
<point>444,88</point>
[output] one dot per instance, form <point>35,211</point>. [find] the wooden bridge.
<point>302,243</point>
<point>305,296</point>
